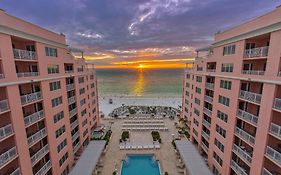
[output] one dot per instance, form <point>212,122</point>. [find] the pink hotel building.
<point>48,100</point>
<point>232,99</point>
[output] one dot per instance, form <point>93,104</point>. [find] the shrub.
<point>114,173</point>
<point>166,173</point>
<point>156,136</point>
<point>174,144</point>
<point>125,135</point>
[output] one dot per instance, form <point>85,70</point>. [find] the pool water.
<point>140,165</point>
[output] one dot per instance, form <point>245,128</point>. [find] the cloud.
<point>90,35</point>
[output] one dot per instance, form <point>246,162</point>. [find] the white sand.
<point>106,108</point>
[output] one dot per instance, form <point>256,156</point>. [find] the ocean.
<point>140,82</point>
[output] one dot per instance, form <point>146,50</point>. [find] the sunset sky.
<point>138,33</point>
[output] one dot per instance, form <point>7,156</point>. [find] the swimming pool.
<point>140,164</point>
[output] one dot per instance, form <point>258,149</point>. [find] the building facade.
<point>48,100</point>
<point>232,99</point>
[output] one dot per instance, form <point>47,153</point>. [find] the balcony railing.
<point>277,104</point>
<point>205,135</point>
<point>238,169</point>
<point>70,87</point>
<point>37,136</point>
<point>69,71</point>
<point>6,131</point>
<point>246,136</point>
<point>76,147</point>
<point>211,70</point>
<point>39,155</point>
<point>71,100</point>
<point>35,117</point>
<point>210,86</point>
<point>206,123</point>
<point>207,111</point>
<point>27,74</point>
<point>273,154</point>
<point>239,151</point>
<point>247,116</point>
<point>74,124</point>
<point>253,72</point>
<point>44,168</point>
<point>250,96</point>
<point>256,52</point>
<point>24,54</point>
<point>73,112</point>
<point>208,99</point>
<point>28,98</point>
<point>8,155</point>
<point>275,130</point>
<point>16,172</point>
<point>266,172</point>
<point>4,105</point>
<point>2,76</point>
<point>75,136</point>
<point>204,147</point>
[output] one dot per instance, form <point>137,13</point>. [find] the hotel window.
<point>63,159</point>
<point>81,91</point>
<point>217,158</point>
<point>219,145</point>
<point>197,112</point>
<point>91,77</point>
<point>195,132</point>
<point>81,80</point>
<point>54,85</point>
<point>56,101</point>
<point>53,69</point>
<point>82,102</point>
<point>65,171</point>
<point>197,101</point>
<point>61,145</point>
<point>216,171</point>
<point>57,117</point>
<point>229,50</point>
<point>225,84</point>
<point>93,93</point>
<point>85,132</point>
<point>84,122</point>
<point>220,130</point>
<point>222,116</point>
<point>187,85</point>
<point>51,52</point>
<point>60,131</point>
<point>227,67</point>
<point>80,69</point>
<point>195,122</point>
<point>92,85</point>
<point>187,76</point>
<point>187,93</point>
<point>83,112</point>
<point>198,90</point>
<point>199,79</point>
<point>224,100</point>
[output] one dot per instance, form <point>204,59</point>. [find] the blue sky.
<point>112,31</point>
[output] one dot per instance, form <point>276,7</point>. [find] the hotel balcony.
<point>70,87</point>
<point>273,155</point>
<point>72,112</point>
<point>24,55</point>
<point>245,136</point>
<point>205,135</point>
<point>206,123</point>
<point>210,86</point>
<point>27,74</point>
<point>28,98</point>
<point>254,67</point>
<point>4,106</point>
<point>68,68</point>
<point>27,69</point>
<point>2,76</point>
<point>6,131</point>
<point>75,135</point>
<point>267,172</point>
<point>74,124</point>
<point>277,104</point>
<point>39,154</point>
<point>256,52</point>
<point>242,153</point>
<point>37,136</point>
<point>15,172</point>
<point>33,118</point>
<point>275,130</point>
<point>238,169</point>
<point>76,147</point>
<point>208,99</point>
<point>248,117</point>
<point>253,72</point>
<point>211,66</point>
<point>45,168</point>
<point>207,111</point>
<point>250,96</point>
<point>71,100</point>
<point>8,156</point>
<point>204,147</point>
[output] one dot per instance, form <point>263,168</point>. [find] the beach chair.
<point>157,146</point>
<point>134,147</point>
<point>139,147</point>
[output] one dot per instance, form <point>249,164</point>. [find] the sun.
<point>140,66</point>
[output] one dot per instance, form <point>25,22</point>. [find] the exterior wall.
<point>266,85</point>
<point>13,88</point>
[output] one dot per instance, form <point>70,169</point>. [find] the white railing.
<point>205,135</point>
<point>246,156</point>
<point>16,172</point>
<point>27,74</point>
<point>275,130</point>
<point>6,131</point>
<point>207,111</point>
<point>30,97</point>
<point>8,155</point>
<point>250,96</point>
<point>76,147</point>
<point>211,70</point>
<point>71,100</point>
<point>70,87</point>
<point>44,169</point>
<point>238,169</point>
<point>24,54</point>
<point>4,105</point>
<point>204,147</point>
<point>74,124</point>
<point>33,117</point>
<point>279,74</point>
<point>247,116</point>
<point>37,136</point>
<point>206,123</point>
<point>40,154</point>
<point>253,72</point>
<point>2,76</point>
<point>266,172</point>
<point>208,99</point>
<point>69,71</point>
<point>256,52</point>
<point>210,86</point>
<point>73,112</point>
<point>75,136</point>
<point>273,154</point>
<point>246,136</point>
<point>277,103</point>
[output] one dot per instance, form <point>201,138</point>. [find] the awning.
<point>89,158</point>
<point>193,161</point>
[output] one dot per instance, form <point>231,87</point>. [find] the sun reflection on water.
<point>139,85</point>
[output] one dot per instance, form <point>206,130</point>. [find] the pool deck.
<point>166,154</point>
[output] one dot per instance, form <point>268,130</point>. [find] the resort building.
<point>48,100</point>
<point>232,99</point>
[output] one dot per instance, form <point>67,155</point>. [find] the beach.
<point>106,108</point>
